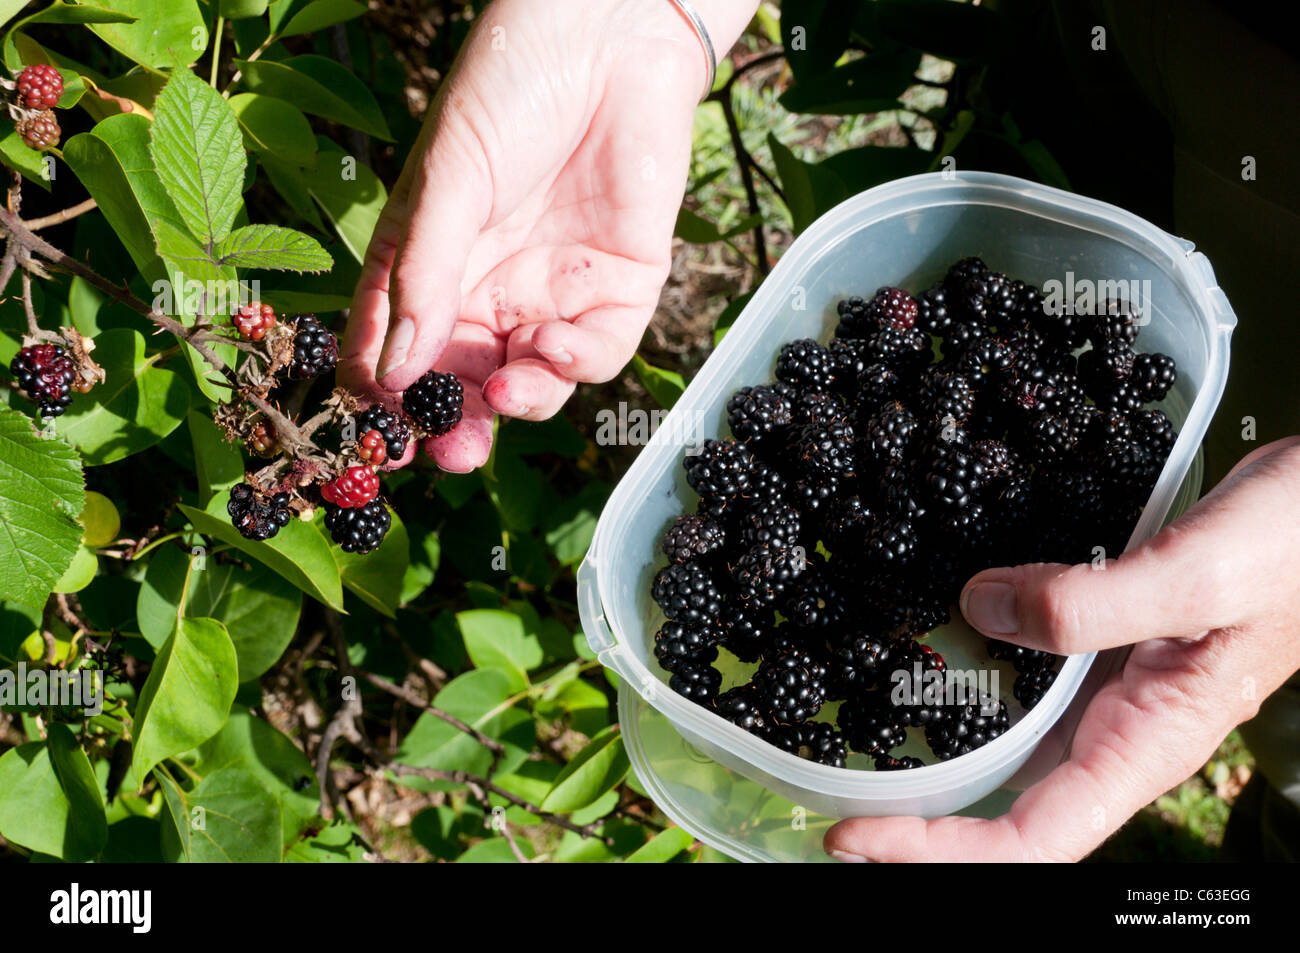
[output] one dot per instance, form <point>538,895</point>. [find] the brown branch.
<point>58,218</point>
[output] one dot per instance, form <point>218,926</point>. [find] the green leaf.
<point>809,189</point>
<point>17,623</point>
<point>319,87</point>
<point>198,152</point>
<point>49,799</point>
<point>18,155</point>
<point>218,462</point>
<point>41,497</point>
<point>869,84</point>
<point>665,386</point>
<point>100,518</point>
<point>815,33</point>
<point>700,231</point>
<point>376,578</point>
<point>440,829</point>
<point>163,32</point>
<point>495,851</point>
<point>69,14</point>
<point>572,524</point>
<point>349,193</point>
<point>298,552</point>
<point>250,744</point>
<point>242,9</point>
<point>136,406</point>
<point>729,315</point>
<point>291,183</point>
<point>663,847</point>
<point>340,843</point>
<point>275,128</point>
<point>259,610</point>
<point>597,768</point>
<point>228,818</point>
<point>866,167</point>
<point>80,573</point>
<point>497,639</point>
<point>188,693</point>
<point>273,247</point>
<point>321,14</point>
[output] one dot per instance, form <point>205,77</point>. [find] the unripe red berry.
<point>263,440</point>
<point>40,86</point>
<point>371,448</point>
<point>253,320</point>
<point>356,486</point>
<point>39,131</point>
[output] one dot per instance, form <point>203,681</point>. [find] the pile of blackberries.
<point>969,427</point>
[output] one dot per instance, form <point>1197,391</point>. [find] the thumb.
<point>1222,563</point>
<point>450,200</point>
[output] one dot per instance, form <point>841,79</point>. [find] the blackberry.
<point>778,523</point>
<point>851,359</point>
<point>1115,322</point>
<point>697,681</point>
<point>1102,429</point>
<point>1153,375</point>
<point>932,314</point>
<point>253,320</point>
<point>791,686</point>
<point>827,447</point>
<point>963,270</point>
<point>354,487</point>
<point>45,375</point>
<point>1106,365</point>
<point>898,491</point>
<point>870,725</point>
<point>805,363</point>
<point>966,529</point>
<point>1061,392</point>
<point>39,86</point>
<point>877,384</point>
<point>1051,437</point>
<point>1129,469</point>
<point>767,487</point>
<point>1031,686</point>
<point>999,461</point>
<point>436,402</point>
<point>856,665</point>
<point>948,397</point>
<point>855,319</point>
<point>747,634</point>
<point>899,348</point>
<point>1021,658</point>
<point>891,543</point>
<point>720,471</point>
<point>887,434</point>
<point>962,728</point>
<point>358,529</point>
<point>254,514</point>
<point>764,572</point>
<point>815,493</point>
<point>890,763</point>
<point>315,348</point>
<point>846,525</point>
<point>740,707</point>
<point>687,593</point>
<point>952,477</point>
<point>816,603</point>
<point>961,336</point>
<point>893,308</point>
<point>811,406</point>
<point>1124,397</point>
<point>393,426</point>
<point>755,413</point>
<point>693,537</point>
<point>677,643</point>
<point>1153,430</point>
<point>39,130</point>
<point>984,359</point>
<point>813,741</point>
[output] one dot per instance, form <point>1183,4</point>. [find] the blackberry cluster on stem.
<point>932,437</point>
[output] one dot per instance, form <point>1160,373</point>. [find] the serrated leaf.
<point>597,768</point>
<point>273,247</point>
<point>137,405</point>
<point>275,128</point>
<point>41,496</point>
<point>188,693</point>
<point>228,818</point>
<point>198,152</point>
<point>319,87</point>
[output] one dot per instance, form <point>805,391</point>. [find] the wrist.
<point>722,20</point>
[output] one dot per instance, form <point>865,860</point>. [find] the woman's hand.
<point>1210,606</point>
<point>525,243</point>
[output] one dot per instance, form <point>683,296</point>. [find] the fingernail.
<point>991,607</point>
<point>845,857</point>
<point>557,356</point>
<point>398,345</point>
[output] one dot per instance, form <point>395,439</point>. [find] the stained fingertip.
<point>529,389</point>
<point>466,446</point>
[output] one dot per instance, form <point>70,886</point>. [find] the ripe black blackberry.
<point>1154,431</point>
<point>855,320</point>
<point>1075,494</point>
<point>963,728</point>
<point>952,477</point>
<point>693,537</point>
<point>1051,437</point>
<point>763,573</point>
<point>1000,462</point>
<point>740,707</point>
<point>393,426</point>
<point>755,413</point>
<point>890,763</point>
<point>791,686</point>
<point>891,543</point>
<point>747,633</point>
<point>1031,686</point>
<point>900,492</point>
<point>1106,365</point>
<point>815,493</point>
<point>720,471</point>
<point>877,384</point>
<point>436,402</point>
<point>947,396</point>
<point>966,529</point>
<point>812,740</point>
<point>827,448</point>
<point>887,433</point>
<point>767,487</point>
<point>961,271</point>
<point>809,405</point>
<point>1022,659</point>
<point>846,526</point>
<point>697,681</point>
<point>1129,470</point>
<point>358,529</point>
<point>817,602</point>
<point>677,643</point>
<point>805,363</point>
<point>687,593</point>
<point>856,664</point>
<point>932,314</point>
<point>1153,375</point>
<point>1115,321</point>
<point>257,516</point>
<point>909,685</point>
<point>899,348</point>
<point>45,375</point>
<point>776,522</point>
<point>1101,429</point>
<point>315,348</point>
<point>851,359</point>
<point>870,725</point>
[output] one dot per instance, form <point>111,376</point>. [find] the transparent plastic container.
<point>903,233</point>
